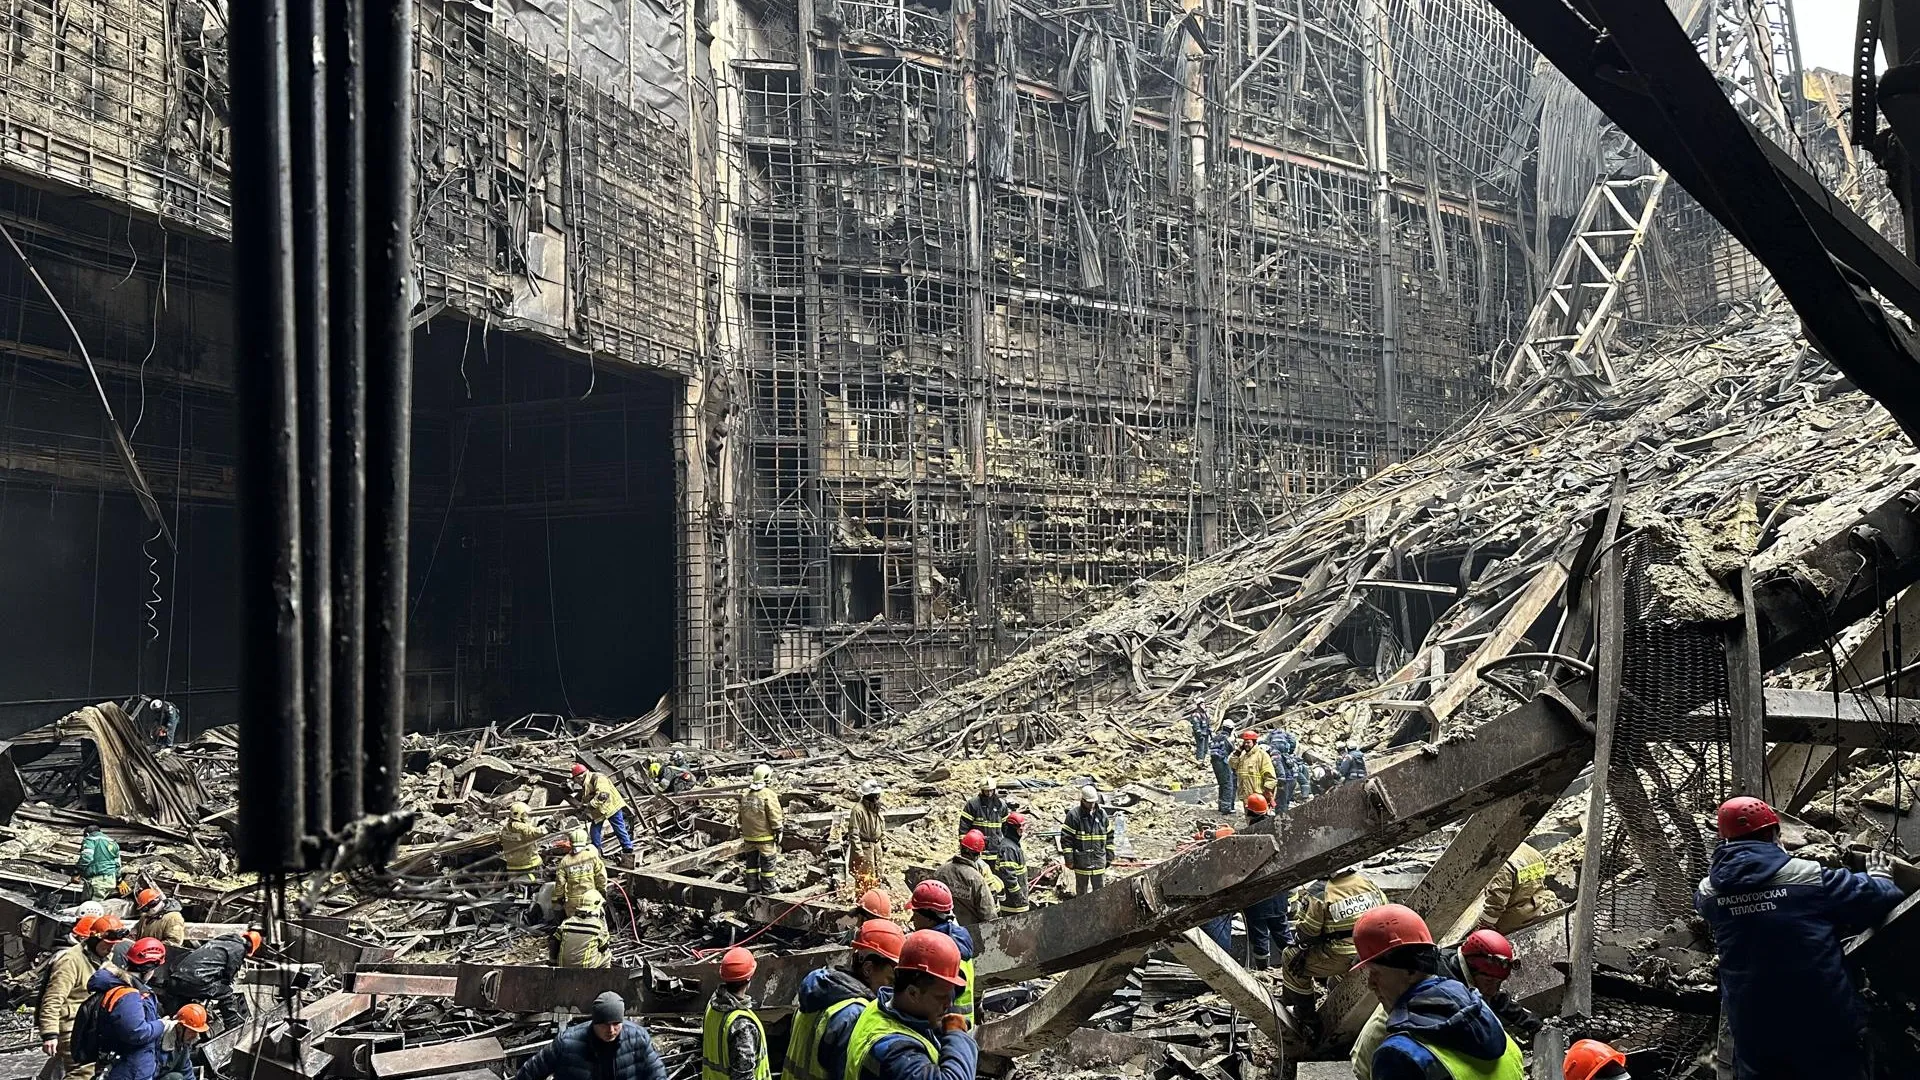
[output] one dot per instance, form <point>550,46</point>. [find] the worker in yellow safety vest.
<point>911,1032</point>
<point>1436,1026</point>
<point>831,999</point>
<point>733,1042</point>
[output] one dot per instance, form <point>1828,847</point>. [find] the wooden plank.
<point>437,1059</point>
<point>1533,600</point>
<point>1231,981</point>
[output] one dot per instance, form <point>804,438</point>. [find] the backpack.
<point>88,1024</point>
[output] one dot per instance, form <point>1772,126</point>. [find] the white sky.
<point>1826,33</point>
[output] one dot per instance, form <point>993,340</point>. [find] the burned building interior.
<point>919,392</point>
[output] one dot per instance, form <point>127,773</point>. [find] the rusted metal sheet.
<point>380,982</point>
<point>336,954</point>
<point>438,1059</point>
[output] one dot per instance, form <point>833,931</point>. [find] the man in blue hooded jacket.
<point>130,1022</point>
<point>1437,1028</point>
<point>913,1031</point>
<point>1777,926</point>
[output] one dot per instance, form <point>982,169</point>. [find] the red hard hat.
<point>1489,953</point>
<point>932,896</point>
<point>578,768</point>
<point>1743,816</point>
<point>975,841</point>
<point>934,953</point>
<point>147,951</point>
<point>736,965</point>
<point>253,941</point>
<point>882,936</point>
<point>146,896</point>
<point>877,903</point>
<point>1016,819</point>
<point>1587,1057</point>
<point>1257,804</point>
<point>1388,926</point>
<point>1248,736</point>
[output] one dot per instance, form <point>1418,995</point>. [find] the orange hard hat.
<point>932,896</point>
<point>933,952</point>
<point>107,926</point>
<point>193,1016</point>
<point>83,926</point>
<point>253,942</point>
<point>1388,927</point>
<point>147,951</point>
<point>1257,804</point>
<point>1489,953</point>
<point>882,936</point>
<point>975,841</point>
<point>737,965</point>
<point>1223,832</point>
<point>148,895</point>
<point>877,903</point>
<point>1743,816</point>
<point>1587,1057</point>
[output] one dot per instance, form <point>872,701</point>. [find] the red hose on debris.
<point>633,921</point>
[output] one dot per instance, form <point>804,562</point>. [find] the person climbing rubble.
<point>519,841</point>
<point>867,838</point>
<point>1253,769</point>
<point>66,988</point>
<point>1010,864</point>
<point>1435,1025</point>
<point>206,975</point>
<point>832,998</point>
<point>1591,1059</point>
<point>1322,948</point>
<point>579,872</point>
<point>607,1046</point>
<point>176,1046</point>
<point>581,940</point>
<point>1200,722</point>
<point>1086,840</point>
<point>673,775</point>
<point>966,878</point>
<point>1220,754</point>
<point>160,917</point>
<point>97,868</point>
<point>1352,766</point>
<point>915,1029</point>
<point>761,824</point>
<point>932,908</point>
<point>986,812</point>
<point>1284,749</point>
<point>128,1027</point>
<point>1777,925</point>
<point>733,1043</point>
<point>596,796</point>
<point>1518,893</point>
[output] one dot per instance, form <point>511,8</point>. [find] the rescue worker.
<point>867,838</point>
<point>1010,864</point>
<point>673,776</point>
<point>873,904</point>
<point>964,877</point>
<point>986,812</point>
<point>599,799</point>
<point>207,975</point>
<point>97,868</point>
<point>1201,724</point>
<point>1283,748</point>
<point>607,1047</point>
<point>1518,893</point>
<point>520,848</point>
<point>582,941</point>
<point>733,1044</point>
<point>66,989</point>
<point>176,1046</point>
<point>1253,769</point>
<point>1220,753</point>
<point>761,824</point>
<point>1352,765</point>
<point>580,872</point>
<point>932,907</point>
<point>1087,841</point>
<point>914,1029</point>
<point>1483,961</point>
<point>1591,1059</point>
<point>1777,925</point>
<point>1436,1026</point>
<point>832,998</point>
<point>1323,936</point>
<point>1258,812</point>
<point>160,917</point>
<point>1267,927</point>
<point>130,1021</point>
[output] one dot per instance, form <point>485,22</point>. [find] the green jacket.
<point>99,856</point>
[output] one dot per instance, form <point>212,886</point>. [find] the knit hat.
<point>609,1008</point>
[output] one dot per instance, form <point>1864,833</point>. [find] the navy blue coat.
<point>1441,1012</point>
<point>1777,924</point>
<point>132,1030</point>
<point>570,1056</point>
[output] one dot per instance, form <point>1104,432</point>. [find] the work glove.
<point>50,1045</point>
<point>953,1022</point>
<point>1880,864</point>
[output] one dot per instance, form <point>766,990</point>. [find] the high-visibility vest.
<point>874,1024</point>
<point>963,1001</point>
<point>1508,1066</point>
<point>713,1045</point>
<point>803,1045</point>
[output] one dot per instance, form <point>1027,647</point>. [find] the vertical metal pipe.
<point>307,110</point>
<point>347,351</point>
<point>389,258</point>
<point>272,817</point>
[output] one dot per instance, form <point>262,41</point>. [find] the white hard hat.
<point>871,786</point>
<point>1089,794</point>
<point>988,783</point>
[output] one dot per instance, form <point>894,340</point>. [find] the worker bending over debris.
<point>673,775</point>
<point>1252,767</point>
<point>581,941</point>
<point>1591,1059</point>
<point>867,838</point>
<point>1220,753</point>
<point>1518,893</point>
<point>97,868</point>
<point>176,1046</point>
<point>932,907</point>
<point>915,1029</point>
<point>761,823</point>
<point>597,796</point>
<point>1436,1026</point>
<point>160,917</point>
<point>580,872</point>
<point>607,1047</point>
<point>66,988</point>
<point>1323,937</point>
<point>1777,925</point>
<point>1087,841</point>
<point>733,1044</point>
<point>520,848</point>
<point>207,975</point>
<point>832,998</point>
<point>1010,864</point>
<point>124,1024</point>
<point>964,877</point>
<point>1352,765</point>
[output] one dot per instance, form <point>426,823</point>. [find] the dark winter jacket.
<point>570,1056</point>
<point>1442,1013</point>
<point>1520,1021</point>
<point>1223,744</point>
<point>208,971</point>
<point>896,1057</point>
<point>1777,923</point>
<point>986,811</point>
<point>960,936</point>
<point>132,1030</point>
<point>820,989</point>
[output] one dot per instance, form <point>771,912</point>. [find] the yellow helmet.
<point>580,840</point>
<point>591,900</point>
<point>520,810</point>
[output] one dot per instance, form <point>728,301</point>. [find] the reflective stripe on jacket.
<point>1087,839</point>
<point>760,818</point>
